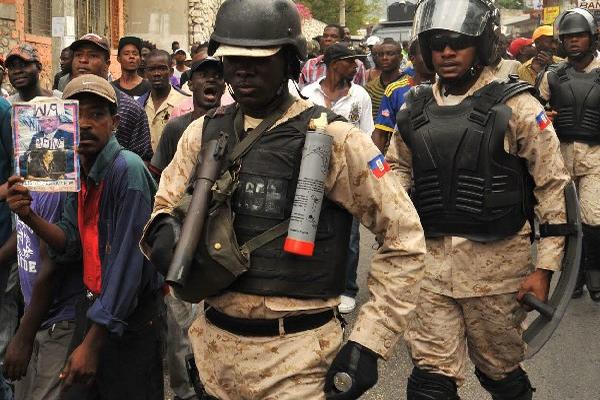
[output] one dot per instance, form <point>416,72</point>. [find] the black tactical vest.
<point>576,98</point>
<point>264,198</point>
<point>465,183</point>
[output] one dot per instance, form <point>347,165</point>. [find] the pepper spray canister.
<point>309,192</point>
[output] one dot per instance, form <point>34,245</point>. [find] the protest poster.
<point>45,140</point>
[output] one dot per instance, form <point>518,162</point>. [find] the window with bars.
<point>91,16</point>
<point>38,17</point>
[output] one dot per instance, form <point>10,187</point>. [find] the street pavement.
<point>567,368</point>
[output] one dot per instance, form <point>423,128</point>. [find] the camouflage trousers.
<point>443,329</point>
<point>582,162</point>
<point>290,366</point>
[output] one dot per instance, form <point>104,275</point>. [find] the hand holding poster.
<point>45,138</point>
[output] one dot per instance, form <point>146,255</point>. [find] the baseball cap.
<point>125,40</point>
<point>93,84</point>
<point>91,38</point>
<point>339,51</point>
<point>197,65</point>
<point>233,51</point>
<point>24,51</point>
<point>516,45</point>
<point>544,30</point>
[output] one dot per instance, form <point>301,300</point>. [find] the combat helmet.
<point>577,20</point>
<point>476,18</point>
<point>258,24</point>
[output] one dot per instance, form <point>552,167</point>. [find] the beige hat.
<point>89,83</point>
<point>225,50</point>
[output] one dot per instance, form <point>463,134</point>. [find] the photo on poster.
<point>45,139</point>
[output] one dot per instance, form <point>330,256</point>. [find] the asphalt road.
<point>567,368</point>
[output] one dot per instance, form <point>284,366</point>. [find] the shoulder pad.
<point>316,111</point>
<point>422,92</point>
<point>500,91</point>
<point>558,67</point>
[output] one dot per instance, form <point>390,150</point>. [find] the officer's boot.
<point>515,386</point>
<point>428,386</point>
<point>591,237</point>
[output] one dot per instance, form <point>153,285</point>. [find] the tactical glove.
<point>163,238</point>
<point>353,372</point>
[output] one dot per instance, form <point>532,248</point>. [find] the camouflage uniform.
<point>293,366</point>
<point>468,295</point>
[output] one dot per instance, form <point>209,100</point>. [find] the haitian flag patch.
<point>542,120</point>
<point>379,166</point>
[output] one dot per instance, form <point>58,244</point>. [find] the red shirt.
<point>88,215</point>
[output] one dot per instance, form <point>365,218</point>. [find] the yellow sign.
<point>550,14</point>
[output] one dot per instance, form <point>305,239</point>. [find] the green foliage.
<point>514,4</point>
<point>359,13</point>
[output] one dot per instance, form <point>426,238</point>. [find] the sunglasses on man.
<point>455,41</point>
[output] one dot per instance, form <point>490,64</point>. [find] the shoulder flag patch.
<point>379,166</point>
<point>542,120</point>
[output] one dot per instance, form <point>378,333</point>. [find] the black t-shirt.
<point>167,145</point>
<point>139,90</point>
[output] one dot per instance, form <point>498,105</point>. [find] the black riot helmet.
<point>475,18</point>
<point>258,23</point>
<point>578,20</point>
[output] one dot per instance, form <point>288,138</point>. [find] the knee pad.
<point>428,386</point>
<point>515,386</point>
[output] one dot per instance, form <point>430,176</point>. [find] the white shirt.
<point>355,106</point>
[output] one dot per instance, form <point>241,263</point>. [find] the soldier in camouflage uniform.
<point>478,150</point>
<point>572,89</point>
<point>273,333</point>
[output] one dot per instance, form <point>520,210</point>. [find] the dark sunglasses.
<point>454,41</point>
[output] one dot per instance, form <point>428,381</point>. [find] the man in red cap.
<point>521,49</point>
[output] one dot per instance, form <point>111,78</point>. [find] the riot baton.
<point>210,162</point>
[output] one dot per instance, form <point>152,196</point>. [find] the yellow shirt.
<point>157,119</point>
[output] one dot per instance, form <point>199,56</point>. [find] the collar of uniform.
<point>104,160</point>
<point>487,75</point>
<point>297,107</point>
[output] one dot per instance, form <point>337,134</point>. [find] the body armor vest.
<point>267,184</point>
<point>465,183</point>
<point>576,98</point>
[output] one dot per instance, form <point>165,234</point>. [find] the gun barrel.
<point>210,162</point>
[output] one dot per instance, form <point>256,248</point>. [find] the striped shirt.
<point>315,69</point>
<point>391,102</point>
<point>133,132</point>
<point>376,90</point>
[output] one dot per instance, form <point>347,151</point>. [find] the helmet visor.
<point>467,17</point>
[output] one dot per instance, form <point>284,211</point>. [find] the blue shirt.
<point>391,102</point>
<point>6,157</point>
<point>125,207</point>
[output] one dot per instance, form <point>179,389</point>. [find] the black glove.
<point>356,362</point>
<point>163,238</point>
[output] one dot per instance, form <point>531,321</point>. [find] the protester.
<point>128,56</point>
<point>162,97</point>
<point>3,92</point>
<point>24,67</point>
<point>543,39</point>
<point>7,282</point>
<point>40,347</point>
<point>479,265</point>
<point>337,92</point>
<point>389,55</point>
<point>315,68</point>
<point>393,98</point>
<point>147,47</point>
<point>91,55</point>
<point>522,49</point>
<point>180,56</point>
<point>66,58</point>
<point>570,88</point>
<point>207,87</point>
<point>119,355</point>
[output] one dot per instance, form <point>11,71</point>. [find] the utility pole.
<point>343,12</point>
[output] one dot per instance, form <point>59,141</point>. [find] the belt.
<point>267,327</point>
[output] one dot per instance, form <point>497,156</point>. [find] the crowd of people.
<point>85,312</point>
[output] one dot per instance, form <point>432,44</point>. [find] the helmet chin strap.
<point>468,77</point>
